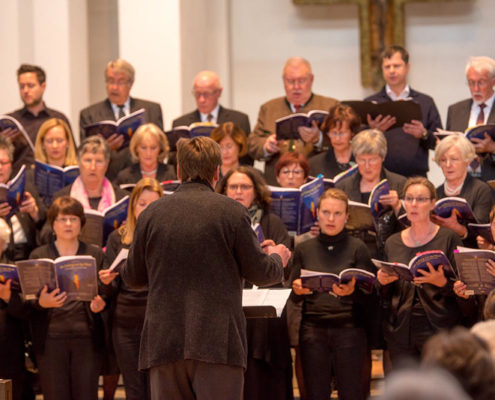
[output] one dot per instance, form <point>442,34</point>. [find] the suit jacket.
<point>193,248</point>
<point>132,174</point>
<point>458,120</point>
<point>103,111</point>
<point>407,155</point>
<point>267,115</point>
<point>224,115</point>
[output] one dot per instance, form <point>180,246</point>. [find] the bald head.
<point>298,80</point>
<point>207,90</point>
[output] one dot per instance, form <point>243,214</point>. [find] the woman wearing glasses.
<point>454,155</point>
<point>417,310</point>
<point>246,185</point>
<point>292,170</point>
<point>341,125</point>
<point>369,148</point>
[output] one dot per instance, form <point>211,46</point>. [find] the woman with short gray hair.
<point>454,155</point>
<point>369,148</point>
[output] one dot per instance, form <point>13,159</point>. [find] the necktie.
<point>209,117</point>
<point>481,116</point>
<point>121,112</point>
<point>297,107</point>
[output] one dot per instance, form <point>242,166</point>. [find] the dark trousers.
<point>339,350</point>
<point>196,380</point>
<point>69,369</point>
<point>126,344</point>
<point>419,332</point>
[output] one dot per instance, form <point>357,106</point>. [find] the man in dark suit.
<point>477,110</point>
<point>408,145</point>
<point>207,91</point>
<point>119,78</point>
<point>193,250</point>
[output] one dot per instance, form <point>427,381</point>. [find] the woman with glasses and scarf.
<point>417,310</point>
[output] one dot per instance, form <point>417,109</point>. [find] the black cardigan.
<point>40,317</point>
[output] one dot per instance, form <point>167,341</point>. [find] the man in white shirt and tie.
<point>477,110</point>
<point>119,78</point>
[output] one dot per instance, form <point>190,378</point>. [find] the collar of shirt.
<point>214,112</point>
<point>127,108</point>
<point>475,108</point>
<point>404,95</point>
<point>25,112</point>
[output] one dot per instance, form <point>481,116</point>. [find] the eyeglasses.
<point>242,188</point>
<point>205,95</point>
<point>64,220</point>
<point>446,160</point>
<point>368,161</point>
<point>295,172</point>
<point>419,200</point>
<point>5,162</point>
<point>111,82</point>
<point>294,82</point>
<point>482,83</point>
<point>55,140</point>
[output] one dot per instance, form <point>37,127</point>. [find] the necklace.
<point>418,242</point>
<point>450,191</point>
<point>149,172</point>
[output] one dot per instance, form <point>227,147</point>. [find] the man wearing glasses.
<point>207,91</point>
<point>119,78</point>
<point>477,110</point>
<point>298,83</point>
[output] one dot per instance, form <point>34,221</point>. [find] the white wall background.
<point>246,42</point>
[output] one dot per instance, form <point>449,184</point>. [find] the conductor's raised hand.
<point>281,250</point>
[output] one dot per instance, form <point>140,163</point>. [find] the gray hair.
<point>422,384</point>
<point>7,145</point>
<point>5,232</point>
<point>123,66</point>
<point>297,61</point>
<point>480,64</point>
<point>94,144</point>
<point>464,145</point>
<point>369,141</point>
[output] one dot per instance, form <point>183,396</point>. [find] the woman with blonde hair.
<point>128,305</point>
<point>54,144</point>
<point>149,148</point>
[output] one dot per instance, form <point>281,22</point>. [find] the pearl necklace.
<point>451,191</point>
<point>149,172</point>
<point>422,240</point>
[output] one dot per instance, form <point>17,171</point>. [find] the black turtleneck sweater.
<point>332,254</point>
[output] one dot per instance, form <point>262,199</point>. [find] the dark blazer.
<point>325,163</point>
<point>103,111</point>
<point>40,317</point>
<point>132,174</point>
<point>407,155</point>
<point>479,196</point>
<point>193,248</point>
<point>224,115</point>
<point>387,223</point>
<point>458,120</point>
